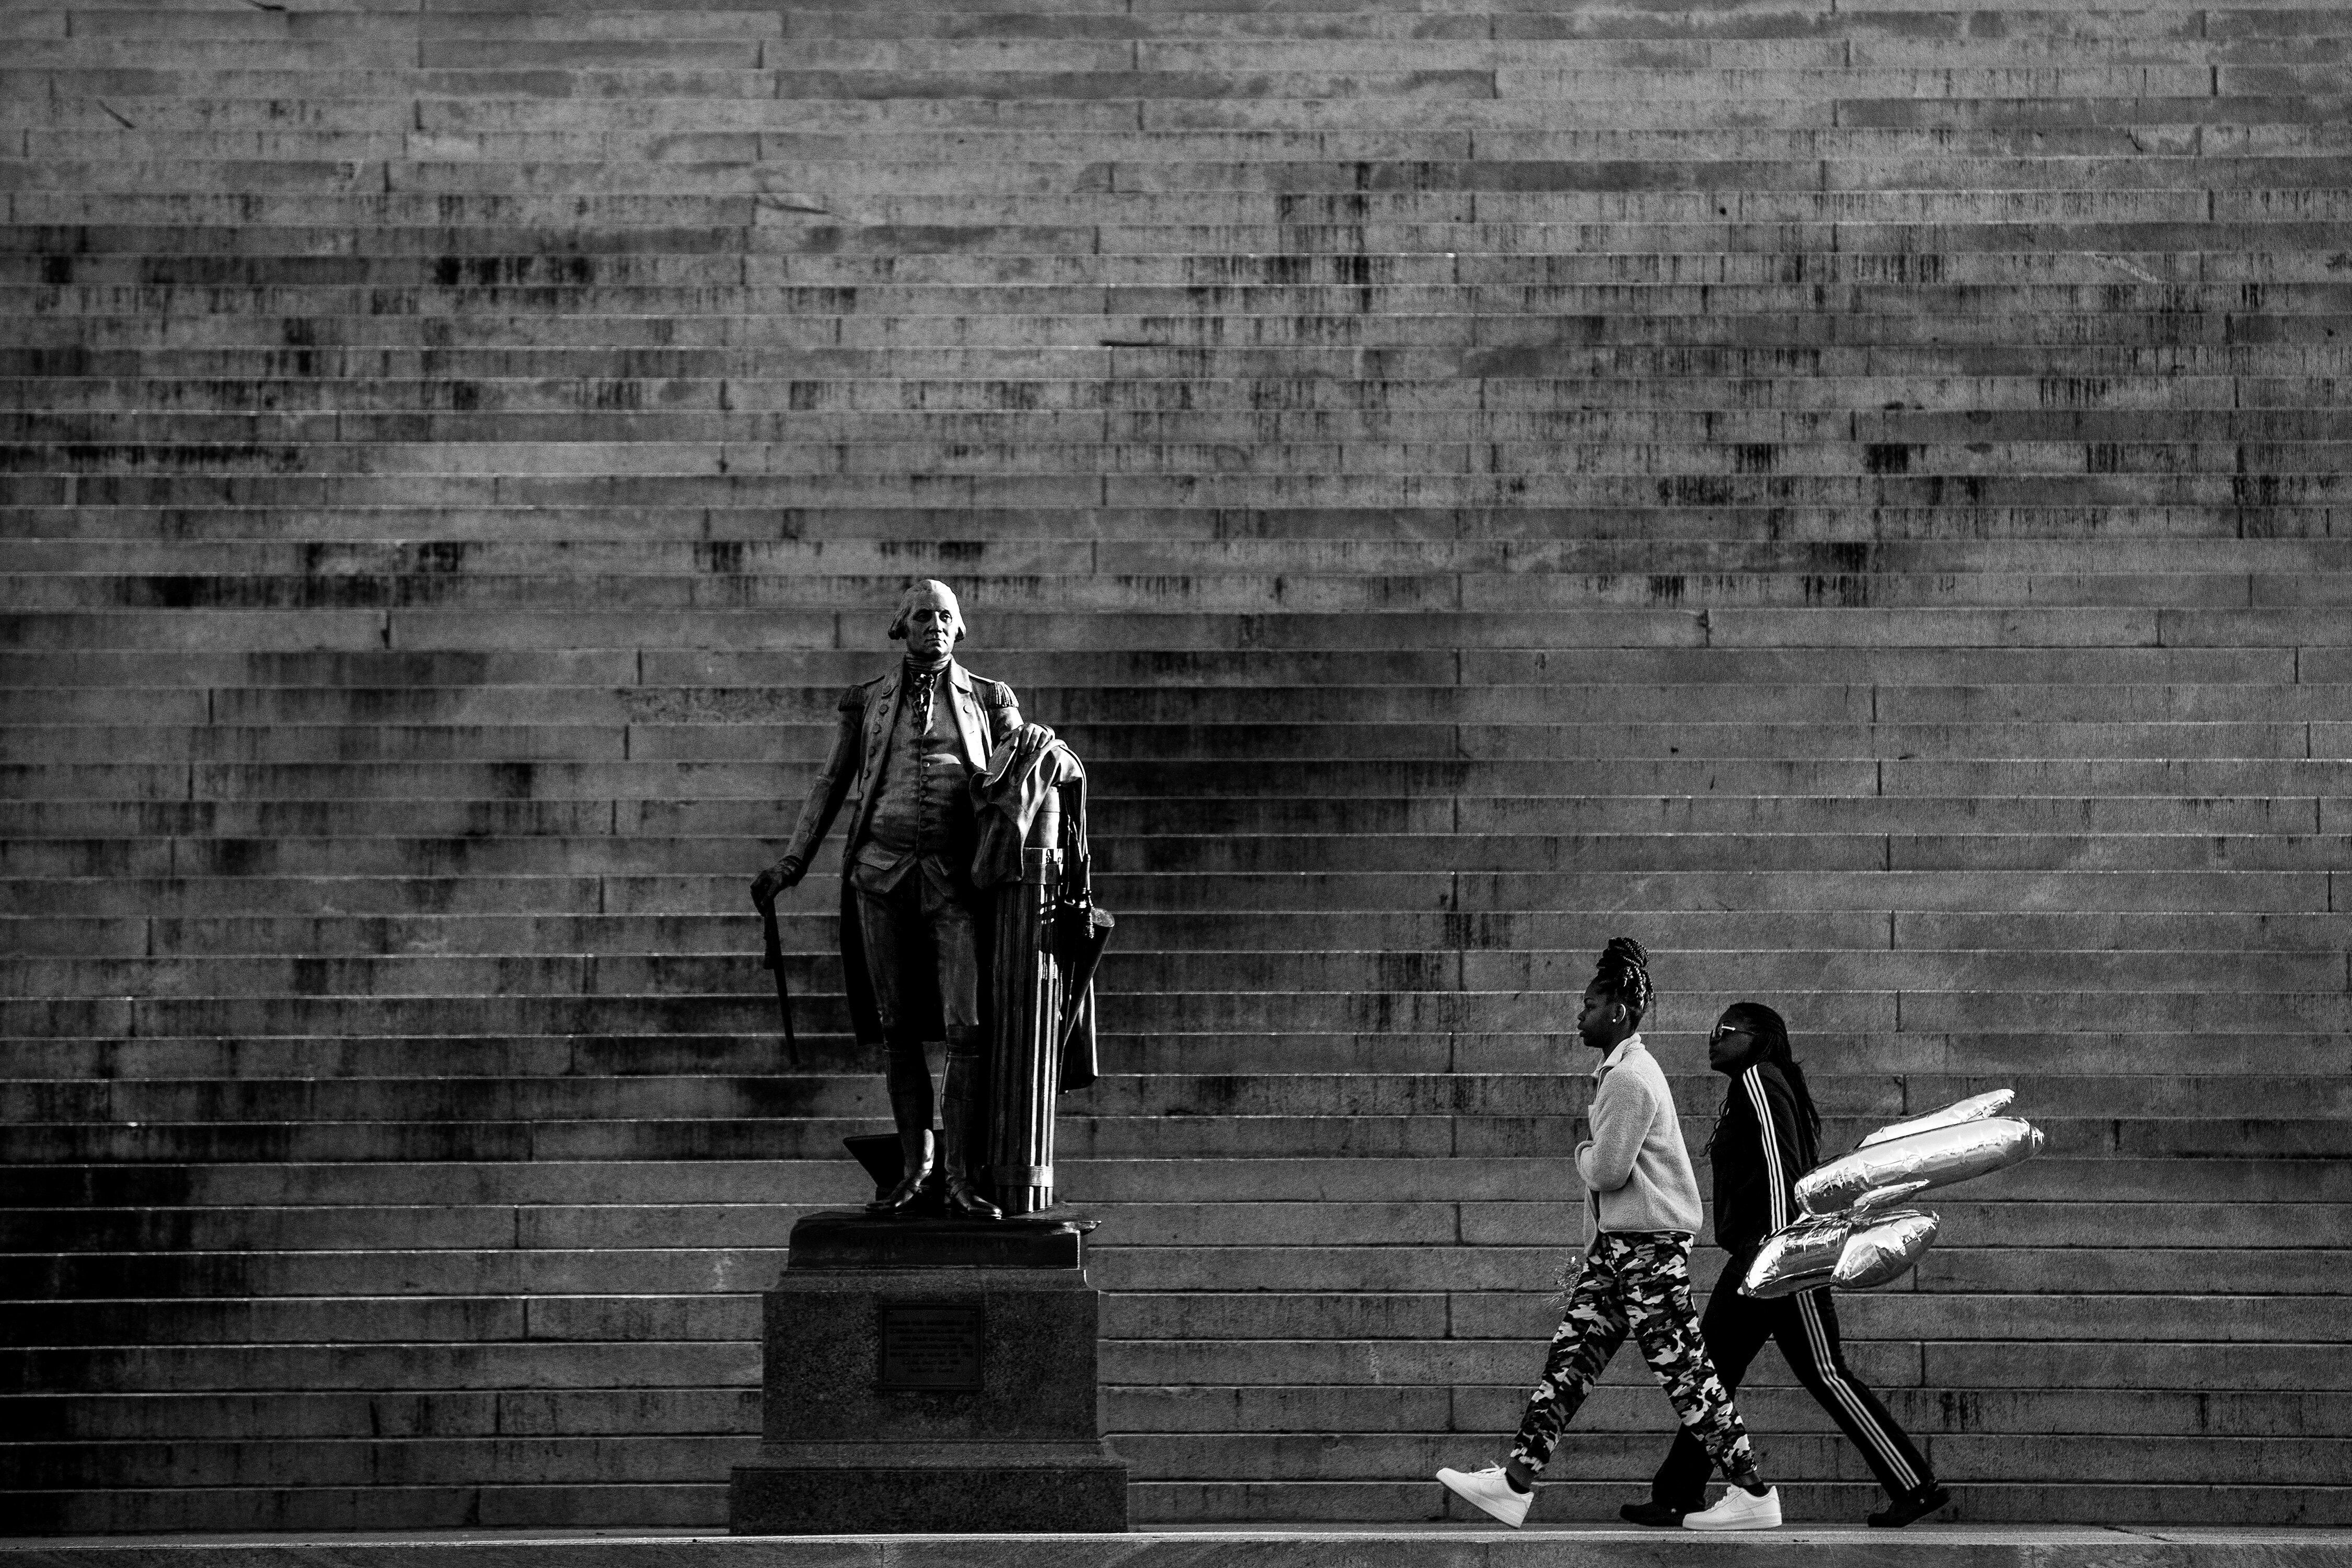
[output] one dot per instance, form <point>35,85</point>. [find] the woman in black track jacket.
<point>1765,1139</point>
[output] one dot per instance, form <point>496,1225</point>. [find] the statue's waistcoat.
<point>922,810</point>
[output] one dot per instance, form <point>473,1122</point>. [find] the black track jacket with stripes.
<point>1760,1149</point>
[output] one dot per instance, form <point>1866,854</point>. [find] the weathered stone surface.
<point>930,1376</point>
<point>1850,495</point>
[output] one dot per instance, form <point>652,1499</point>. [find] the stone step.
<point>1911,1055</point>
<point>1085,316</point>
<point>1333,967</point>
<point>637,1460</point>
<point>1801,439</point>
<point>640,1460</point>
<point>1484,838</point>
<point>1151,1137</point>
<point>490,251</point>
<point>1955,1271</point>
<point>1614,70</point>
<point>1997,400</point>
<point>1417,1001</point>
<point>189,261</point>
<point>1683,674</point>
<point>1002,569</point>
<point>504,1271</point>
<point>526,133</point>
<point>1699,364</point>
<point>571,1310</point>
<point>1611,1408</point>
<point>1114,817</point>
<point>1304,1456</point>
<point>1083,291</point>
<point>1397,695</point>
<point>640,786</point>
<point>473,484</point>
<point>647,1364</point>
<point>147,101</point>
<point>836,1180</point>
<point>190,864</point>
<point>468,520</point>
<point>2255,152</point>
<point>2277,745</point>
<point>1055,23</point>
<point>1993,1364</point>
<point>1810,440</point>
<point>444,1413</point>
<point>787,1091</point>
<point>236,797</point>
<point>277,193</point>
<point>1666,892</point>
<point>1975,1221</point>
<point>197,860</point>
<point>466,1320</point>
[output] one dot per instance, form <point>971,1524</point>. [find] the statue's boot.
<point>961,1134</point>
<point>915,1149</point>
<point>910,1107</point>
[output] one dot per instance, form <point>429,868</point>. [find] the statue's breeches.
<point>918,941</point>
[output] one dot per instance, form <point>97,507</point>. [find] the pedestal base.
<point>928,1376</point>
<point>987,1489</point>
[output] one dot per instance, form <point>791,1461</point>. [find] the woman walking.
<point>1765,1139</point>
<point>1636,1277</point>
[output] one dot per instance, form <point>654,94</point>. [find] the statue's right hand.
<point>783,874</point>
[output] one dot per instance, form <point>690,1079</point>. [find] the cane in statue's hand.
<point>773,880</point>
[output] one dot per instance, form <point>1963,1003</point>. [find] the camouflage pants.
<point>1641,1280</point>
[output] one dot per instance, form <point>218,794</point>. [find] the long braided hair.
<point>1771,1032</point>
<point>1624,973</point>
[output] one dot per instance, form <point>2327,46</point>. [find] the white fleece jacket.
<point>1636,1164</point>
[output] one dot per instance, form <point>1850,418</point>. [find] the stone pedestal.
<point>930,1376</point>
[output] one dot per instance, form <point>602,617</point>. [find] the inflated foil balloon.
<point>1976,1107</point>
<point>1879,1198</point>
<point>1883,1249</point>
<point>1935,1158</point>
<point>1799,1256</point>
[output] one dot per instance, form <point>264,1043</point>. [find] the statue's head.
<point>928,621</point>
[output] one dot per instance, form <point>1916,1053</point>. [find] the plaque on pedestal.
<point>930,1376</point>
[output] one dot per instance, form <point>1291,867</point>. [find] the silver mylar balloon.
<point>1879,1198</point>
<point>1884,1249</point>
<point>1938,1158</point>
<point>1796,1258</point>
<point>1976,1107</point>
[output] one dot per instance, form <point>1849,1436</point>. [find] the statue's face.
<point>930,631</point>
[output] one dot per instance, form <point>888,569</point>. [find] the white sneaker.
<point>1490,1490</point>
<point>1738,1508</point>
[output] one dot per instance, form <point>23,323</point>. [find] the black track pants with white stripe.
<point>1805,1327</point>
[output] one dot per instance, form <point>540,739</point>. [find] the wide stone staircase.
<point>1848,493</point>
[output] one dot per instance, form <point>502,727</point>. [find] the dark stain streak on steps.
<point>1851,494</point>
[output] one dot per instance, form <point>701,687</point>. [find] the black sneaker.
<point>1656,1515</point>
<point>1903,1510</point>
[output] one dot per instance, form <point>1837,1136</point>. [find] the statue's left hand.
<point>1034,737</point>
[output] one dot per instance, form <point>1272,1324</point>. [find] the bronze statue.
<point>967,923</point>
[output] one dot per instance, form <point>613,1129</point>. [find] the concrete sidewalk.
<point>1259,1546</point>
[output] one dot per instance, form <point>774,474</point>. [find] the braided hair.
<point>1624,973</point>
<point>1771,1032</point>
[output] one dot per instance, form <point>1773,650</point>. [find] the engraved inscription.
<point>930,1345</point>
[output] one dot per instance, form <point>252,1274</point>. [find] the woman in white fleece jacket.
<point>1637,1275</point>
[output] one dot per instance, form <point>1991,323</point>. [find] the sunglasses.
<point>1723,1034</point>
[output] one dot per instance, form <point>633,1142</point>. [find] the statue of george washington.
<point>967,925</point>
